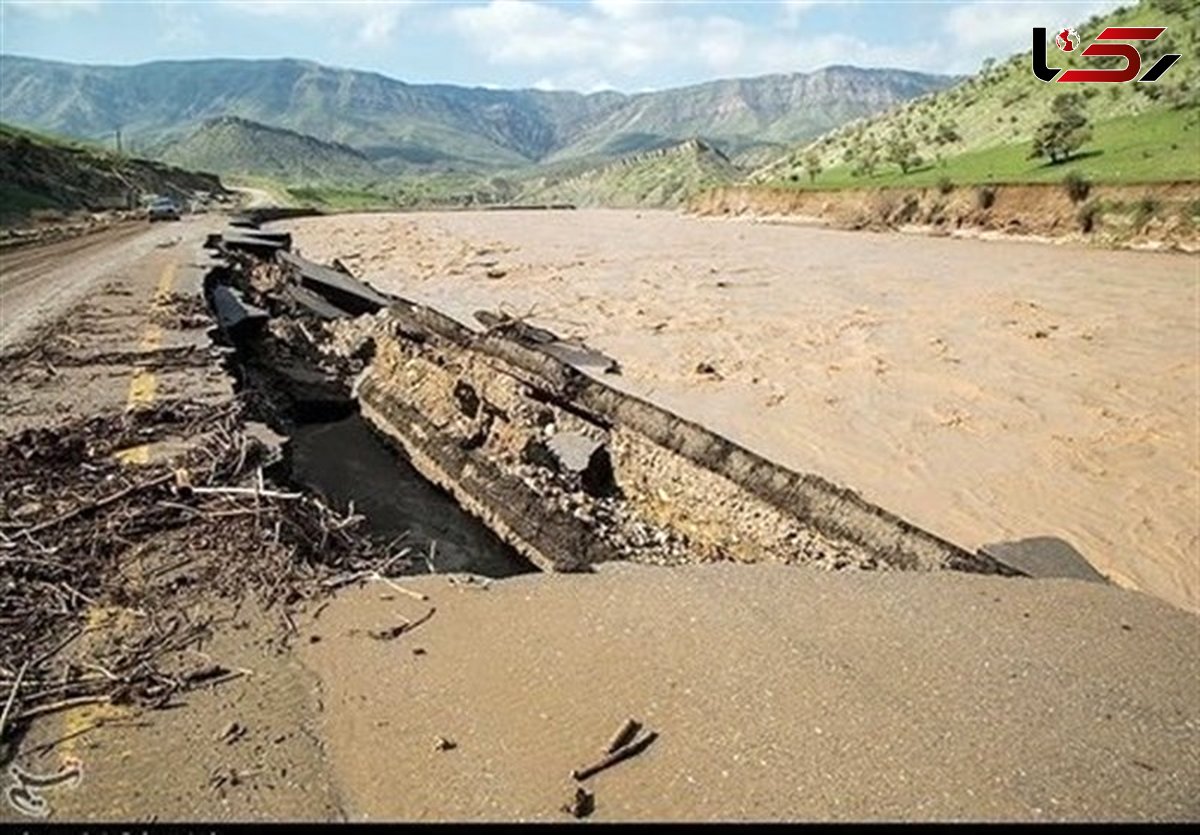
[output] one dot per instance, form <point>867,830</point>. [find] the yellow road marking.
<point>165,282</point>
<point>135,455</point>
<point>142,390</point>
<point>144,385</point>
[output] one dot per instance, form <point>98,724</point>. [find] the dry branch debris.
<point>624,735</point>
<point>75,524</point>
<point>619,755</point>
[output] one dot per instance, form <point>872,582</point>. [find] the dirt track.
<point>38,283</point>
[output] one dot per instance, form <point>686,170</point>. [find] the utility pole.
<point>118,131</point>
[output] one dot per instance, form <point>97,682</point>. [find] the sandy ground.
<point>986,391</point>
<point>778,692</point>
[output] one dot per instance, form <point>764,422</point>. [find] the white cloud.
<point>623,9</point>
<point>631,41</point>
<point>722,44</point>
<point>612,37</point>
<point>180,25</point>
<point>373,22</point>
<point>793,10</point>
<point>999,29</point>
<point>377,28</point>
<point>510,31</point>
<point>632,44</point>
<point>611,40</point>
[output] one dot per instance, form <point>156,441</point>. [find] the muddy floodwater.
<point>984,390</point>
<point>347,463</point>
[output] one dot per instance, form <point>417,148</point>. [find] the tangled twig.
<point>74,520</point>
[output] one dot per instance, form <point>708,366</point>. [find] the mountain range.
<point>166,109</point>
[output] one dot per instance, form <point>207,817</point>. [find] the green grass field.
<point>337,199</point>
<point>1158,146</point>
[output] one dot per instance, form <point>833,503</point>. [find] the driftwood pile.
<point>83,533</point>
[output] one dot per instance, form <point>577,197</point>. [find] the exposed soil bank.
<point>1161,215</point>
<point>573,472</point>
<point>779,693</point>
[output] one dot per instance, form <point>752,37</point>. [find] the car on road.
<point>163,209</point>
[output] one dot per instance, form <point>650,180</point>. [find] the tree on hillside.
<point>946,134</point>
<point>1181,96</point>
<point>868,158</point>
<point>985,69</point>
<point>903,152</point>
<point>1064,132</point>
<point>812,164</point>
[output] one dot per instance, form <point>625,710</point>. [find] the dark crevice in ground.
<point>332,451</point>
<point>349,464</point>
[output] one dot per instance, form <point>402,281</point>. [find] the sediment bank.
<point>1155,216</point>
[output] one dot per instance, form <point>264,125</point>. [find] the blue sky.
<point>621,44</point>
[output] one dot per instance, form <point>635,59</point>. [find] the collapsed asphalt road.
<point>569,471</point>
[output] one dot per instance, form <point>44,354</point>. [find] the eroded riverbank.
<point>985,391</point>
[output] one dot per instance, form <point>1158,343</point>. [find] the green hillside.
<point>981,130</point>
<point>424,190</point>
<point>42,172</point>
<point>665,177</point>
<point>233,146</point>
